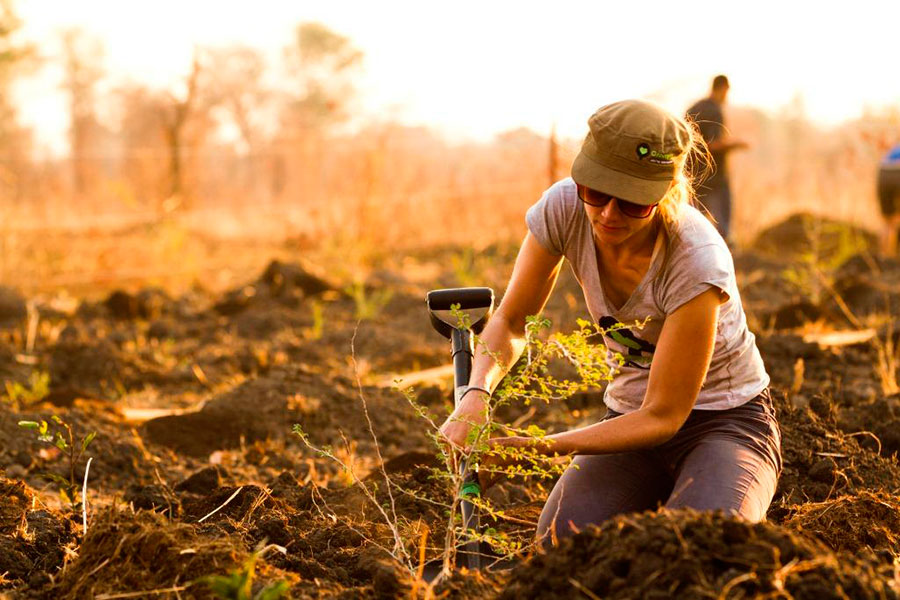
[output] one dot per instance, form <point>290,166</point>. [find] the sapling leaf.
<point>88,439</point>
<point>29,424</point>
<point>59,479</point>
<point>60,442</point>
<point>274,591</point>
<point>57,419</point>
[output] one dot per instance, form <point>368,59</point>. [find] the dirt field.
<point>193,398</point>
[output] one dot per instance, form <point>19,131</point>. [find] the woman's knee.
<point>596,488</point>
<point>742,485</point>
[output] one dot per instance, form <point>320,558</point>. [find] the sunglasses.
<point>599,200</point>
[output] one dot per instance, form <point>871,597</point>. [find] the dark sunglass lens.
<point>595,198</point>
<point>637,211</point>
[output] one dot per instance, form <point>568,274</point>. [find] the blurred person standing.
<point>889,199</point>
<point>715,192</point>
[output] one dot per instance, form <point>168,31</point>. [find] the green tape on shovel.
<point>470,489</point>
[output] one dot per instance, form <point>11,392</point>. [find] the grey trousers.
<point>719,459</point>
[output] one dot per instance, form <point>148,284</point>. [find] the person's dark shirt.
<point>709,118</point>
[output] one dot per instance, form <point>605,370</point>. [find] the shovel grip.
<point>467,298</point>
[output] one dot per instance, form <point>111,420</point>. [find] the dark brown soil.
<point>181,496</point>
<point>690,555</point>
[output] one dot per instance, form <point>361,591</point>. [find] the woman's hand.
<point>471,412</point>
<point>496,458</point>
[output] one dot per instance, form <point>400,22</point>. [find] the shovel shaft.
<point>463,353</point>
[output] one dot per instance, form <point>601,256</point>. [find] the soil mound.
<point>685,554</point>
<point>285,278</point>
<point>90,366</point>
<point>255,410</point>
<point>852,523</point>
<point>287,283</point>
<point>130,552</point>
<point>805,234</point>
<point>820,462</point>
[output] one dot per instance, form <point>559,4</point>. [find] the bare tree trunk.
<point>174,122</point>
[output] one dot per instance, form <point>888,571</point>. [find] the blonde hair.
<point>691,167</point>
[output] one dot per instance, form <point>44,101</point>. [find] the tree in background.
<point>175,112</point>
<point>321,66</point>
<point>15,142</point>
<point>82,56</point>
<point>235,87</point>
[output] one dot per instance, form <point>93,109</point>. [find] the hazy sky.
<point>471,69</point>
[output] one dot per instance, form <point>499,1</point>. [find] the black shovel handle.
<point>467,298</point>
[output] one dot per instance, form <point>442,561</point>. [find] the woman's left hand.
<point>495,459</point>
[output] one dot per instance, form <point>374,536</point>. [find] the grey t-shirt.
<point>690,257</point>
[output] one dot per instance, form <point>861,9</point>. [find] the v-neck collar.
<point>655,260</point>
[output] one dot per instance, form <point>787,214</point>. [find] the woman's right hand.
<point>472,411</point>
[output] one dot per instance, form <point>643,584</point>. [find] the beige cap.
<point>631,151</point>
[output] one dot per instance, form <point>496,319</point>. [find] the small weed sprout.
<point>369,304</point>
<point>238,584</point>
<point>531,380</point>
<point>469,268</point>
<point>315,330</point>
<point>18,395</point>
<point>63,438</point>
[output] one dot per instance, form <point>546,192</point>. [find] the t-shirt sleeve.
<point>551,218</point>
<point>693,272</point>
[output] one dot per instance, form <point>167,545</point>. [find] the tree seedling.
<point>63,438</point>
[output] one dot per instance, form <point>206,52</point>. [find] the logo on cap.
<point>643,150</point>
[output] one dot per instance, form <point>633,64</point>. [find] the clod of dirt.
<point>15,500</point>
<point>686,554</point>
<point>12,306</point>
<point>863,296</point>
<point>877,423</point>
<point>241,507</point>
<point>152,497</point>
<point>282,278</point>
<point>162,329</point>
<point>866,520</point>
<point>794,315</point>
<point>868,263</point>
<point>149,303</point>
<point>31,541</point>
<point>235,301</point>
<point>65,396</point>
<point>204,481</point>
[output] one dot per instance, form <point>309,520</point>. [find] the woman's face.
<point>611,225</point>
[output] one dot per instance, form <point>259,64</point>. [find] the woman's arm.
<point>533,278</point>
<point>677,372</point>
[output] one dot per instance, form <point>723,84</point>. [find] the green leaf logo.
<point>643,150</point>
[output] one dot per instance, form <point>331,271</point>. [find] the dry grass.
<point>352,201</point>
